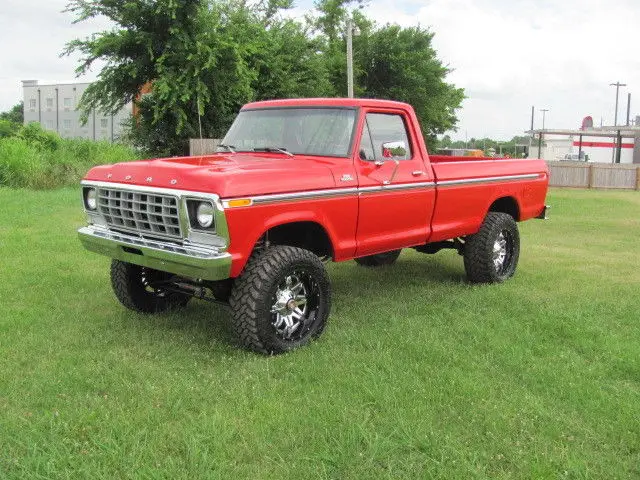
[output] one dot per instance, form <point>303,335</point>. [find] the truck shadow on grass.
<point>208,325</point>
<point>408,271</point>
<point>199,323</point>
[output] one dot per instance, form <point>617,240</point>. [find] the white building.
<point>54,106</point>
<point>612,144</point>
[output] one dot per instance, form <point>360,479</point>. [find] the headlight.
<point>204,214</point>
<point>90,198</point>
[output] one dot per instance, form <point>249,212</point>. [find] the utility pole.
<point>617,85</point>
<point>628,109</point>
<point>349,58</point>
<point>544,112</point>
<point>533,107</point>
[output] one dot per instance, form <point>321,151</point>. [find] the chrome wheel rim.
<point>294,306</point>
<point>502,251</point>
<point>150,280</point>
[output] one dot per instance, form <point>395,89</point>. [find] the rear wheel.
<point>379,259</point>
<point>144,289</point>
<point>281,301</point>
<point>491,255</point>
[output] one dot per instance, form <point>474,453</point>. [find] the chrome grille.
<point>148,214</point>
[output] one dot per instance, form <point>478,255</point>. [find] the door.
<point>396,189</point>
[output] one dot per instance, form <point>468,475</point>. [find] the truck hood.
<point>227,175</point>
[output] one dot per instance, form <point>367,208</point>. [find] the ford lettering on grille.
<point>148,214</point>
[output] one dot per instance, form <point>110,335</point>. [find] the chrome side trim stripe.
<point>337,192</point>
<point>393,187</point>
<point>283,197</point>
<point>340,192</point>
<point>466,181</point>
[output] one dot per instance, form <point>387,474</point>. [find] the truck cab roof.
<point>328,102</point>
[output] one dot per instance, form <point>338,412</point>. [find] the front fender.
<point>248,224</point>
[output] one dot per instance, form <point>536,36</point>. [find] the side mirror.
<point>394,150</point>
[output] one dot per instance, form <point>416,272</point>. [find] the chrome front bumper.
<point>194,261</point>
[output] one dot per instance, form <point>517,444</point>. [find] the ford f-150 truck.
<point>295,183</point>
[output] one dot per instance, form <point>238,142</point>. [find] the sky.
<point>508,55</point>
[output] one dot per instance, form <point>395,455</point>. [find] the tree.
<point>148,38</point>
<point>391,62</point>
<point>205,59</point>
<point>15,114</point>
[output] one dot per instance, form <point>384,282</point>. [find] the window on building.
<point>49,103</point>
<point>66,124</point>
<point>32,104</point>
<point>67,103</point>
<point>49,124</point>
<point>104,122</point>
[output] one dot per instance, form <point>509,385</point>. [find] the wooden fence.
<point>594,175</point>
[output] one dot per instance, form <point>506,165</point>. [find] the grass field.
<point>418,375</point>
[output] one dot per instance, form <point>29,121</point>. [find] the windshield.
<point>310,131</point>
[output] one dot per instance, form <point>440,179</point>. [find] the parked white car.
<point>574,157</point>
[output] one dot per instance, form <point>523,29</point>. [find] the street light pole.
<point>617,85</point>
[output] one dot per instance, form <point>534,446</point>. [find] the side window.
<point>366,147</point>
<point>386,128</point>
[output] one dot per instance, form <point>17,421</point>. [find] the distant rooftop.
<point>630,131</point>
<point>36,83</point>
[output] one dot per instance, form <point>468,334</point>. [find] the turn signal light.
<point>238,202</point>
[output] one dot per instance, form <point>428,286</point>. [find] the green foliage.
<point>39,159</point>
<point>390,62</point>
<point>153,137</point>
<point>37,137</point>
<point>150,37</point>
<point>400,63</point>
<point>15,115</point>
<point>8,128</point>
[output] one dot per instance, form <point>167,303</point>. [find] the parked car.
<point>298,182</point>
<point>574,157</point>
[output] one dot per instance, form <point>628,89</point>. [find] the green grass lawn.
<point>418,374</point>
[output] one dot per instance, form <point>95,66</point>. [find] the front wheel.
<point>281,301</point>
<point>491,255</point>
<point>144,289</point>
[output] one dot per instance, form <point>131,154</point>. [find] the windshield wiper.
<point>273,149</point>
<point>231,148</point>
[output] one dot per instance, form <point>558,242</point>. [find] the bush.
<point>20,164</point>
<point>35,158</point>
<point>39,138</point>
<point>8,128</point>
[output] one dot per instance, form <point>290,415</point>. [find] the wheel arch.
<point>297,229</point>
<point>506,204</point>
<point>307,234</point>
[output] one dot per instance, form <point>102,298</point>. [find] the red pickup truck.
<point>297,182</point>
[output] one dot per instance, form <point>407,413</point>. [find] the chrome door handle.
<point>417,173</point>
